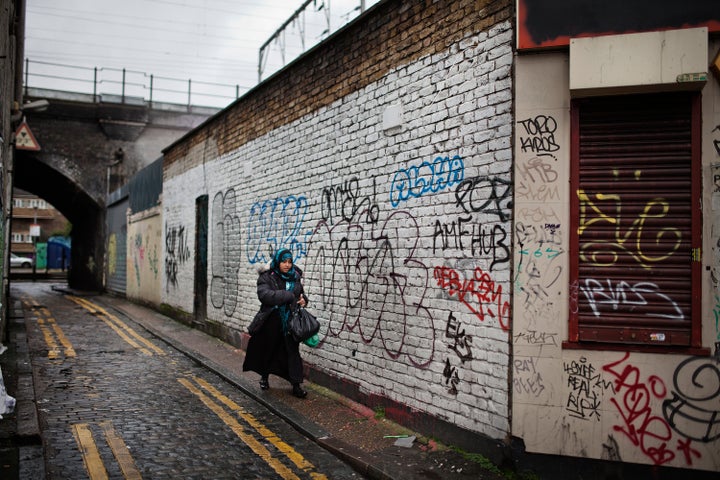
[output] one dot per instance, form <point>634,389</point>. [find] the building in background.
<point>28,211</point>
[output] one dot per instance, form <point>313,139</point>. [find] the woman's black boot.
<point>298,391</point>
<point>264,383</point>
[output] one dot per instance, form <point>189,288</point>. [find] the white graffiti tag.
<point>623,294</point>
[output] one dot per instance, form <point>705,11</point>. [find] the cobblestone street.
<point>115,402</point>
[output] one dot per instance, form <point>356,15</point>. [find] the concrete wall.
<point>144,247</point>
<point>383,160</point>
<point>598,403</point>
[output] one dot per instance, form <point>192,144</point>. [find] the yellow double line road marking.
<point>213,399</point>
<point>45,320</point>
<point>91,455</point>
<point>119,327</point>
<point>247,438</point>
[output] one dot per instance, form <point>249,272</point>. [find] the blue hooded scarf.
<point>289,277</point>
<point>279,257</point>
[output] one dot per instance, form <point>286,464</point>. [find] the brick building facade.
<point>429,173</point>
<point>382,159</point>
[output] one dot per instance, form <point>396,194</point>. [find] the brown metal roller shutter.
<point>632,258</point>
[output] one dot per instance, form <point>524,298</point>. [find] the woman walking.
<point>271,349</point>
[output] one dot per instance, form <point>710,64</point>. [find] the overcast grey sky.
<point>213,41</point>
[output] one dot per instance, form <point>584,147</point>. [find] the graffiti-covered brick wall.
<point>382,159</point>
<point>613,400</point>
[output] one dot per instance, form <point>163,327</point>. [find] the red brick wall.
<point>391,34</point>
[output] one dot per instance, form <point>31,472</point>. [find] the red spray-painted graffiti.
<point>480,293</point>
<point>651,433</point>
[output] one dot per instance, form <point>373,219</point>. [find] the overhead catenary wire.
<point>209,41</point>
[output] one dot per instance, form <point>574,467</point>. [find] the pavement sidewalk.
<point>351,431</point>
<point>21,454</point>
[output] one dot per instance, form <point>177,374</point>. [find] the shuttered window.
<point>636,218</point>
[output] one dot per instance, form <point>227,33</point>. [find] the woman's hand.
<point>302,301</point>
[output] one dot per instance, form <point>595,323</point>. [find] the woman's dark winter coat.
<point>270,351</point>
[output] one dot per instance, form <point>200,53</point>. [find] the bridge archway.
<point>90,147</point>
<point>33,175</point>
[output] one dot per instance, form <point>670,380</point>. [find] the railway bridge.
<point>81,147</point>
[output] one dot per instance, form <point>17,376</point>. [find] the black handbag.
<point>258,321</point>
<point>302,325</point>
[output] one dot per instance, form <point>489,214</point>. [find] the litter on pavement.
<point>406,441</point>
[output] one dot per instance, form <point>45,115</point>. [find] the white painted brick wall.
<point>179,213</point>
<point>453,105</point>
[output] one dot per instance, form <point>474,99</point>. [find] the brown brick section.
<point>393,34</point>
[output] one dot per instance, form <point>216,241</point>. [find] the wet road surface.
<point>115,402</point>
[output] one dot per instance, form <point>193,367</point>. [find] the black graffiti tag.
<point>539,135</point>
<point>692,410</point>
<point>492,195</point>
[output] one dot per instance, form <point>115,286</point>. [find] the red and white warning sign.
<point>24,139</point>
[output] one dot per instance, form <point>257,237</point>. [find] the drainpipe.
<point>19,50</point>
<point>17,39</point>
<point>119,156</point>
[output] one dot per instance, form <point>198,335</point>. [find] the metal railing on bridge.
<point>129,86</point>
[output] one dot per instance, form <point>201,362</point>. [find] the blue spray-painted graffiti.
<point>274,224</point>
<point>416,181</point>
